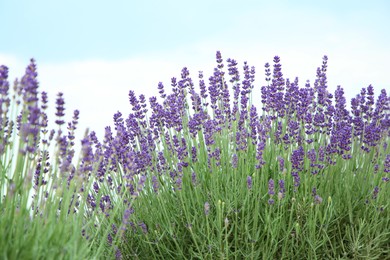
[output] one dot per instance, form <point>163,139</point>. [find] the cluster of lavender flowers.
<point>192,126</point>
<point>206,130</point>
<point>318,125</point>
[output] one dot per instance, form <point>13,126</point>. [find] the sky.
<point>96,51</point>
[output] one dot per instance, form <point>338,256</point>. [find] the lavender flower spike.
<point>271,187</point>
<point>271,191</point>
<point>249,182</point>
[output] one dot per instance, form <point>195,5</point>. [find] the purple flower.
<point>249,182</point>
<point>282,189</point>
<point>4,84</point>
<point>317,199</point>
<point>387,164</point>
<point>375,192</point>
<point>29,84</point>
<point>144,228</point>
<point>109,239</point>
<point>380,107</point>
<point>234,161</point>
<point>297,179</point>
<point>217,155</point>
<point>126,216</point>
<point>271,187</point>
<point>281,163</point>
<point>105,204</point>
<point>341,113</point>
<point>314,192</point>
<point>297,159</point>
<point>321,154</point>
<point>193,178</point>
<point>194,154</point>
<point>259,154</point>
<point>44,100</point>
<point>246,86</point>
<point>202,86</point>
<point>254,120</point>
<point>60,109</point>
<point>161,90</point>
<point>272,95</point>
<point>91,201</point>
<point>311,154</point>
<point>118,254</point>
<point>235,77</point>
<point>155,184</point>
<point>141,182</point>
<point>179,182</point>
<point>293,129</point>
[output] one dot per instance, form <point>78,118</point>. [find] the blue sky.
<point>96,51</point>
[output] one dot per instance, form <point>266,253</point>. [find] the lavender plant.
<point>203,173</point>
<point>207,174</point>
<point>43,190</point>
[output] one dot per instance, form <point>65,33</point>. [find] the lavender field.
<point>203,170</point>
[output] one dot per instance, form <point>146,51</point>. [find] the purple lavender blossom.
<point>4,84</point>
<point>60,109</point>
<point>297,159</point>
<point>317,199</point>
<point>281,163</point>
<point>217,155</point>
<point>109,239</point>
<point>271,187</point>
<point>235,77</point>
<point>249,182</point>
<point>314,192</point>
<point>118,254</point>
<point>143,226</point>
<point>375,192</point>
<point>254,120</point>
<point>282,189</point>
<point>297,179</point>
<point>141,182</point>
<point>193,178</point>
<point>126,216</point>
<point>194,154</point>
<point>234,161</point>
<point>155,183</point>
<point>29,84</point>
<point>202,86</point>
<point>179,182</point>
<point>387,164</point>
<point>161,90</point>
<point>259,154</point>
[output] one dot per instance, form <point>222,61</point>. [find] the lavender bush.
<point>43,192</point>
<point>204,173</point>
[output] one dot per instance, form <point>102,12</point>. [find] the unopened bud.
<point>226,222</point>
<point>280,195</point>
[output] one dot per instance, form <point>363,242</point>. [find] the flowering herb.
<point>145,189</point>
